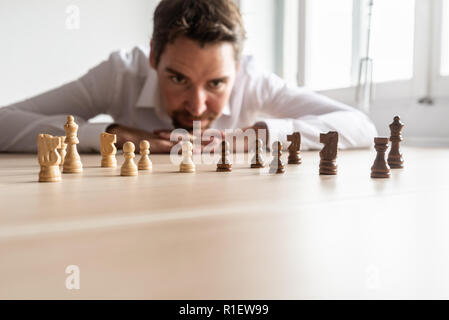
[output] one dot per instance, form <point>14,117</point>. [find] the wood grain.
<point>243,235</point>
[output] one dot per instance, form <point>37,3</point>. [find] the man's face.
<point>195,82</point>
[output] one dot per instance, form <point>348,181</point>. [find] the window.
<point>329,44</point>
<point>444,70</point>
<point>323,44</point>
<point>337,34</point>
<point>408,47</point>
<point>392,39</point>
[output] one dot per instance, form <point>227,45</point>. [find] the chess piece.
<point>294,150</point>
<point>277,166</point>
<point>224,164</point>
<point>258,160</point>
<point>72,161</point>
<point>328,155</point>
<point>62,150</point>
<point>108,150</point>
<point>187,164</point>
<point>145,162</point>
<point>129,168</point>
<point>49,158</point>
<point>380,168</point>
<point>395,159</point>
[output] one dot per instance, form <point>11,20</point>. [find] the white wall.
<point>424,125</point>
<point>43,44</point>
<point>42,47</point>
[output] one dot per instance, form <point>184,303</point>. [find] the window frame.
<point>440,83</point>
<point>426,80</point>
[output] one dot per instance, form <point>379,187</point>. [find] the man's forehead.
<point>189,58</point>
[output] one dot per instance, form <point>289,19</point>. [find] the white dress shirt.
<point>126,88</point>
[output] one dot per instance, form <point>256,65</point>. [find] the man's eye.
<point>178,79</point>
<point>216,83</point>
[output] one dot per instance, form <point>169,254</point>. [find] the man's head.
<point>196,49</point>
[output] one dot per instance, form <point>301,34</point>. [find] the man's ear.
<point>152,56</point>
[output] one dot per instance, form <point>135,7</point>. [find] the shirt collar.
<point>150,96</point>
<point>226,110</point>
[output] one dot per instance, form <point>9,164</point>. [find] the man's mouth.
<point>190,120</point>
<point>184,121</point>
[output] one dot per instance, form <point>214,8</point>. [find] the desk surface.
<point>240,235</point>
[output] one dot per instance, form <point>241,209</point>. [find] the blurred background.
<point>385,57</point>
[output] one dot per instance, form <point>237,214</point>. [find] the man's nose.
<point>197,103</point>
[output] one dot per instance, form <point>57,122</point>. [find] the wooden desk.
<point>239,235</point>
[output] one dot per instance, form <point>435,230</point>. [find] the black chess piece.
<point>224,164</point>
<point>395,159</point>
<point>277,166</point>
<point>380,168</point>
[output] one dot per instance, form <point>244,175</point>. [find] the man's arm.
<point>158,143</point>
<point>85,98</point>
<point>293,109</point>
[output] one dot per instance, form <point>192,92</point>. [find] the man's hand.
<point>124,134</point>
<point>211,144</point>
<point>160,139</point>
<point>256,127</point>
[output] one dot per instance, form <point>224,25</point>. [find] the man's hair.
<point>205,21</point>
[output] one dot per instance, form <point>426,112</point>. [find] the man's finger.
<point>163,134</point>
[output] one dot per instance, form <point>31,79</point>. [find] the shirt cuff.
<point>89,136</point>
<point>278,129</point>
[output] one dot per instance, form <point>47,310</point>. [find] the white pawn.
<point>129,168</point>
<point>145,162</point>
<point>187,164</point>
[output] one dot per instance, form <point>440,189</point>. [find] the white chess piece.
<point>72,161</point>
<point>49,158</point>
<point>187,164</point>
<point>145,163</point>
<point>129,168</point>
<point>62,150</point>
<point>108,150</point>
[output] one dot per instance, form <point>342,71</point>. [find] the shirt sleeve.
<point>290,109</point>
<point>84,98</point>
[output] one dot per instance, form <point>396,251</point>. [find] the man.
<point>194,72</point>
